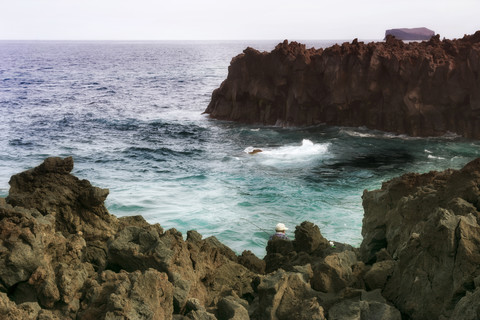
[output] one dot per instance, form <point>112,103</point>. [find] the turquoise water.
<point>130,113</point>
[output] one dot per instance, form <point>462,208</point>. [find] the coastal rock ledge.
<point>420,88</point>
<point>64,256</point>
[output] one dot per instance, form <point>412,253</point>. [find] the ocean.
<point>130,114</point>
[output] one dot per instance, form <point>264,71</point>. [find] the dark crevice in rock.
<point>22,292</point>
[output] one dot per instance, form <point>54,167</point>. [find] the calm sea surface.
<point>130,113</point>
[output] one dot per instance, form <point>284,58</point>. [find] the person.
<point>279,232</point>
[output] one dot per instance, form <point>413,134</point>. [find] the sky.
<point>231,20</point>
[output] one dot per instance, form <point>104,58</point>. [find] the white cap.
<point>280,227</point>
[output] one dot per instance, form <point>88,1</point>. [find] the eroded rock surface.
<point>429,225</point>
<point>420,89</point>
<point>62,252</point>
<point>419,259</point>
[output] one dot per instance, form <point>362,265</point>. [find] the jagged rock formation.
<point>420,89</point>
<point>63,256</point>
<point>426,230</point>
<point>410,33</point>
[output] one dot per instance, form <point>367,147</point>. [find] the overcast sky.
<point>231,20</point>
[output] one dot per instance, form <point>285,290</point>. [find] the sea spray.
<point>290,155</point>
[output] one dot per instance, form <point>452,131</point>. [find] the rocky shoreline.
<point>425,88</point>
<point>64,256</point>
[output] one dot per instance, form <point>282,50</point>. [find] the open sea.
<point>130,114</point>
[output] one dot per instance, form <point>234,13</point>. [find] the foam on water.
<point>290,155</point>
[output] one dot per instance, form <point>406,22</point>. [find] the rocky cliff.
<point>428,225</point>
<point>420,89</point>
<point>63,256</point>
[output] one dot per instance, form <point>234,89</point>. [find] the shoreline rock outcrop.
<point>64,256</point>
<point>428,225</point>
<point>419,89</point>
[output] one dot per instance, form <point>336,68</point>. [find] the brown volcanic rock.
<point>421,233</point>
<point>123,295</point>
<point>420,89</point>
<point>62,255</point>
<point>76,204</point>
<point>430,226</point>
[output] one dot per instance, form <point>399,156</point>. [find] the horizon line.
<point>139,40</point>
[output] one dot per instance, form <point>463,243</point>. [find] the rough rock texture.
<point>420,89</point>
<point>364,306</point>
<point>468,308</point>
<point>285,295</point>
<point>429,224</point>
<point>410,33</point>
<point>76,205</point>
<point>63,254</point>
<point>420,255</point>
<point>333,268</point>
<point>123,295</point>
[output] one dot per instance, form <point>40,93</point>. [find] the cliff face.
<point>419,89</point>
<point>63,256</point>
<point>429,224</point>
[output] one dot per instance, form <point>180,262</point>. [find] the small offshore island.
<point>410,33</point>
<point>64,256</point>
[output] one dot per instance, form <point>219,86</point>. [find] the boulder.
<point>309,239</point>
<point>365,306</point>
<point>136,248</point>
<point>286,295</point>
<point>196,311</point>
<point>335,272</point>
<point>379,274</point>
<point>280,254</point>
<point>76,204</point>
<point>252,262</point>
<point>308,247</point>
<point>231,308</point>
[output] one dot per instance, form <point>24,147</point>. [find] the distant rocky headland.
<point>64,256</point>
<point>420,88</point>
<point>410,33</point>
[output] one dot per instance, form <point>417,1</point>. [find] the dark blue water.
<point>130,115</point>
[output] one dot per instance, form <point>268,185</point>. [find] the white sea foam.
<point>435,157</point>
<point>359,134</point>
<point>291,154</point>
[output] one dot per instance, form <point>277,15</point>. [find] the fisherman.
<point>279,232</point>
